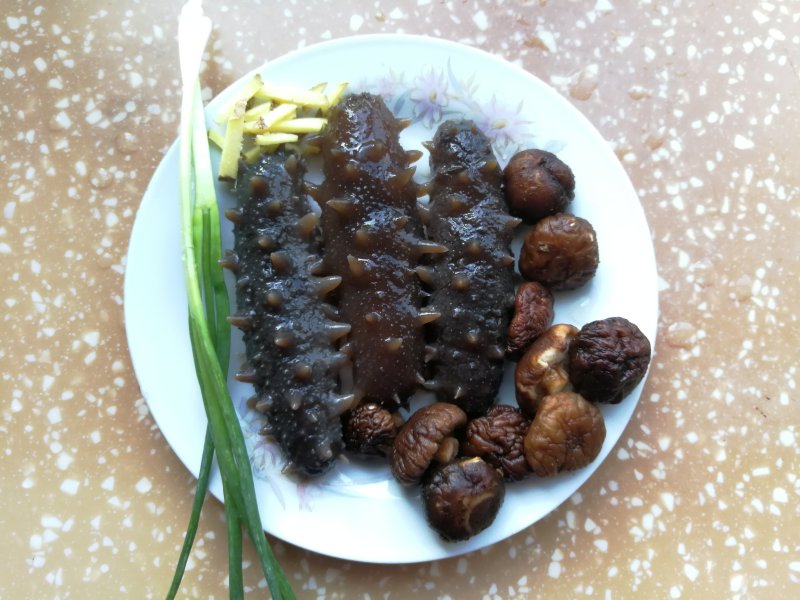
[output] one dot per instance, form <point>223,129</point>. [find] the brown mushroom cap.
<point>497,437</point>
<point>566,434</point>
<point>462,498</point>
<point>369,429</point>
<point>543,369</point>
<point>420,439</point>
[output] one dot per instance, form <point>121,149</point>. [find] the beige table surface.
<point>700,102</point>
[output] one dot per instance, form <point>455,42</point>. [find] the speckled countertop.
<point>700,102</point>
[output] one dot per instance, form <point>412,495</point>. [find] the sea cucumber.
<point>373,238</point>
<point>472,285</point>
<point>288,330</point>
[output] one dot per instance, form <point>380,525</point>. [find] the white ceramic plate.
<point>357,511</point>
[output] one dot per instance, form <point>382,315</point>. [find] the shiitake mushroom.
<point>462,498</point>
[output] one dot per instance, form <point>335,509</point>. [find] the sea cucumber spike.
<point>373,151</point>
<point>425,274</point>
<point>495,352</point>
<point>427,316</point>
<point>490,166</point>
<point>356,265</point>
<point>428,145</point>
<point>325,452</point>
<point>234,215</point>
<point>430,352</point>
<point>464,177</point>
<point>307,224</point>
<point>313,190</point>
<point>338,360</point>
<point>259,187</point>
<point>341,404</point>
<point>336,330</point>
<point>351,171</point>
<point>403,123</point>
<point>404,176</point>
<point>347,349</point>
<point>420,378</point>
<point>325,285</point>
<point>363,237</point>
<point>413,156</point>
<point>247,377</point>
<point>243,281</point>
<point>284,340</point>
<point>511,222</point>
<point>291,164</point>
<point>263,404</point>
<point>342,206</point>
<point>460,282</point>
<point>281,262</point>
<point>273,299</point>
<point>330,311</point>
<point>266,243</point>
<point>303,372</point>
<point>432,385</point>
<point>243,322</point>
<point>474,250</point>
<point>400,222</point>
<point>457,206</point>
<point>472,338</point>
<point>393,344</point>
<point>274,208</point>
<point>424,213</point>
<point>372,318</point>
<point>507,260</point>
<point>426,247</point>
<point>317,267</point>
<point>459,393</point>
<point>295,402</point>
<point>423,189</point>
<point>399,401</point>
<point>230,262</point>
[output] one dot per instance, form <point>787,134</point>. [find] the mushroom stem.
<point>447,451</point>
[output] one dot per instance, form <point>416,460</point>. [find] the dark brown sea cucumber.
<point>373,239</point>
<point>472,286</point>
<point>289,335</point>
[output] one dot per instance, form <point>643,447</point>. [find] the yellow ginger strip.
<point>299,96</point>
<point>273,139</point>
<point>259,109</point>
<point>232,146</point>
<point>304,125</point>
<point>247,92</point>
<point>265,122</point>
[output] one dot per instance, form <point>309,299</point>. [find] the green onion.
<point>209,331</point>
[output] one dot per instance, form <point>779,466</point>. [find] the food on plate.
<point>373,240</point>
<point>288,332</point>
<point>538,184</point>
<point>533,314</point>
<point>560,252</point>
<point>497,437</point>
<point>427,437</point>
<point>543,369</point>
<point>567,433</point>
<point>370,429</point>
<point>471,284</point>
<point>462,498</point>
<point>607,359</point>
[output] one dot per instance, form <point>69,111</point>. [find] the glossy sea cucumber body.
<point>472,285</point>
<point>373,239</point>
<point>288,331</point>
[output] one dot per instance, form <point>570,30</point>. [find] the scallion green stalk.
<point>208,330</point>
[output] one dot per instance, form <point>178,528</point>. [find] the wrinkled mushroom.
<point>425,437</point>
<point>543,369</point>
<point>607,359</point>
<point>566,434</point>
<point>462,498</point>
<point>370,429</point>
<point>497,437</point>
